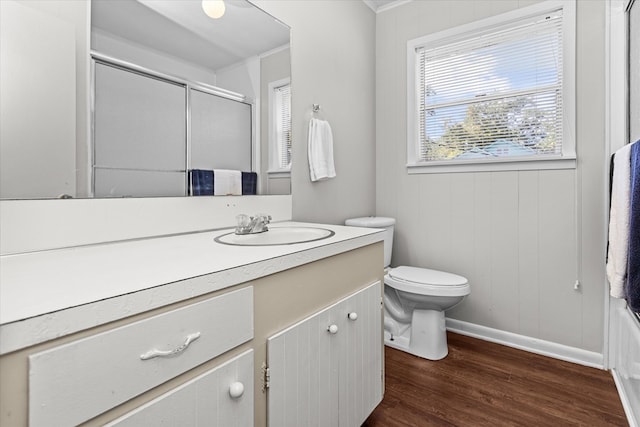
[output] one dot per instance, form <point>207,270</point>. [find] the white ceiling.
<point>181,29</point>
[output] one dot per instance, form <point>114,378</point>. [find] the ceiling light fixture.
<point>213,8</point>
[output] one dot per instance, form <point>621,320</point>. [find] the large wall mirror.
<point>181,101</point>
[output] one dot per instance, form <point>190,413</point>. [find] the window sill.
<point>492,165</point>
<point>279,173</point>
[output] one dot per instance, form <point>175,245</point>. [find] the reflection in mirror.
<point>174,94</point>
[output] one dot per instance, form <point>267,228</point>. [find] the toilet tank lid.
<point>371,222</point>
<point>427,276</point>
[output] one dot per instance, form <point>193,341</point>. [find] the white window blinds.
<point>282,105</point>
<point>492,93</point>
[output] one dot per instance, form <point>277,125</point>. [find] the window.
<point>280,124</point>
<point>496,91</point>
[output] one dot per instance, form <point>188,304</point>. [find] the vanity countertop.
<point>48,294</point>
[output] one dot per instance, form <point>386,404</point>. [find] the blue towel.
<point>249,183</point>
<point>632,285</point>
<point>201,182</point>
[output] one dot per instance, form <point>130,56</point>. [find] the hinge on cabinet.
<point>266,377</point>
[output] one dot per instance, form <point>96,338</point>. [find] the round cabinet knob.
<point>333,329</point>
<point>236,389</point>
<point>352,316</point>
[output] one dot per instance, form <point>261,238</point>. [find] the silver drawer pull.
<point>160,353</point>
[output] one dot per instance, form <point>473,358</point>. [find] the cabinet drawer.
<point>77,381</point>
<point>204,401</point>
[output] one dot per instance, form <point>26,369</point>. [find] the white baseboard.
<point>522,342</point>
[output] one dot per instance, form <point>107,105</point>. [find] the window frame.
<point>567,160</point>
<point>274,150</point>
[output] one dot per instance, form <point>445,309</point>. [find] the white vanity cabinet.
<point>327,369</point>
<point>74,382</point>
<point>209,334</point>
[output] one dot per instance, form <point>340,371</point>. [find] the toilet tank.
<point>377,222</point>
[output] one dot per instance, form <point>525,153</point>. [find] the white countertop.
<point>47,294</point>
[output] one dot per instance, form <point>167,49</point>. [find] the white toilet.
<point>415,300</point>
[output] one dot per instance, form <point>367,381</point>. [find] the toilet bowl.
<point>425,295</point>
<point>415,300</point>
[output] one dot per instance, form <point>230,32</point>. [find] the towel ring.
<point>316,108</point>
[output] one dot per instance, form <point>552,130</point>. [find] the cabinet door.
<point>361,370</point>
<point>207,400</point>
<point>328,377</point>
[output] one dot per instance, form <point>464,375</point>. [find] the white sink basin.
<point>276,236</point>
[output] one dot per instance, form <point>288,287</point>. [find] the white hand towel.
<point>320,148</point>
<point>227,182</point>
<point>619,222</point>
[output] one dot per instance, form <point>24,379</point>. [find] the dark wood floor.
<point>484,384</point>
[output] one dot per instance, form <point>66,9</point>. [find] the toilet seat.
<point>424,281</point>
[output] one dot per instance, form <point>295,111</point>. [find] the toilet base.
<point>426,338</point>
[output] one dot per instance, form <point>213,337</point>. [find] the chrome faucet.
<point>252,224</point>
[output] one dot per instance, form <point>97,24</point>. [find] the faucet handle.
<point>264,218</point>
<point>243,220</point>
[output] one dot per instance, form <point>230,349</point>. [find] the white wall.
<point>143,56</point>
<point>242,77</point>
<point>77,15</point>
<point>37,106</point>
<point>521,238</point>
<point>332,64</point>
